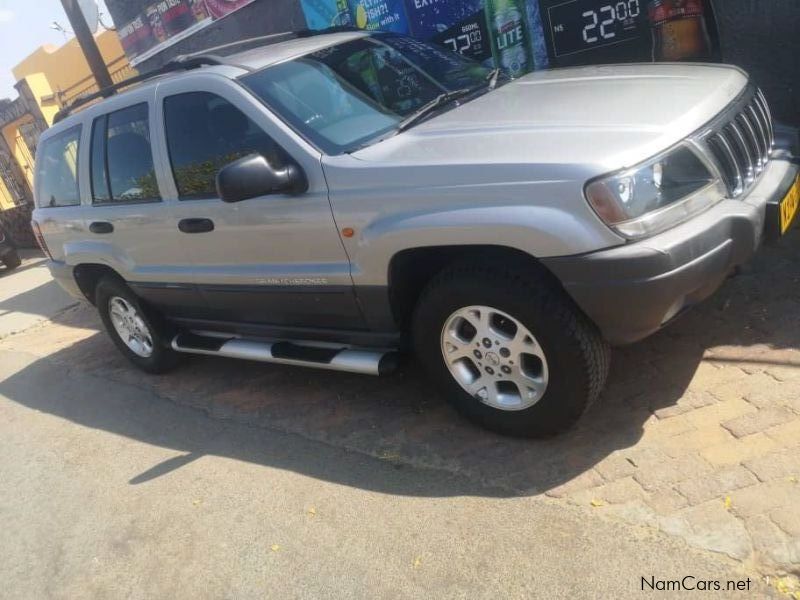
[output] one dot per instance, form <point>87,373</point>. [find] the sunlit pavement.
<point>697,440</point>
<point>28,295</point>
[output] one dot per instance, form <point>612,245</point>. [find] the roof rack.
<point>184,62</point>
<point>179,63</point>
<point>275,38</point>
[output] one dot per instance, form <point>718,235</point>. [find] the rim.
<point>130,327</point>
<point>494,358</point>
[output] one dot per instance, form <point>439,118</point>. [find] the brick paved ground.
<point>698,433</point>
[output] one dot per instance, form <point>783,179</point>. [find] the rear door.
<point>128,223</point>
<point>273,260</point>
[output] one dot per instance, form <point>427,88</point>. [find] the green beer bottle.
<point>508,30</point>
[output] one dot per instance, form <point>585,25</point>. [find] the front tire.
<point>509,349</point>
<point>138,332</point>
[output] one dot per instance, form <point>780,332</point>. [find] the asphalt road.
<point>99,501</point>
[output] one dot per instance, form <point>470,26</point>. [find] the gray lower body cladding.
<point>632,291</point>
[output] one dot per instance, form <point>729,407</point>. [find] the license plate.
<point>789,206</point>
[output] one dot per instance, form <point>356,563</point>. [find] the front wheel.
<point>509,349</point>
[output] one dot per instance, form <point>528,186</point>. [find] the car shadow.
<point>237,409</point>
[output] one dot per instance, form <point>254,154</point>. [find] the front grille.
<point>742,142</point>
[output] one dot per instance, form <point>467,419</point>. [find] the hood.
<point>608,117</point>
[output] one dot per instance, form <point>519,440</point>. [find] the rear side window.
<point>57,169</point>
<point>206,132</point>
<point>122,159</point>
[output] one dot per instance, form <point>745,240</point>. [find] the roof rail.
<point>210,56</point>
<point>179,63</point>
<point>275,38</point>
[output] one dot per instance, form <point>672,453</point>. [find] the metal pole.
<point>87,43</point>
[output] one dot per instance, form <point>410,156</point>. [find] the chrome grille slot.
<point>741,142</point>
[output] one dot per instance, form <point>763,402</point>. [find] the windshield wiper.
<point>431,106</point>
<point>493,76</point>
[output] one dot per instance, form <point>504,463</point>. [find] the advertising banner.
<point>163,23</point>
<point>525,35</point>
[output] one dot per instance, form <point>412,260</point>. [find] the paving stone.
<point>669,427</point>
<point>772,545</point>
<point>665,407</point>
<point>711,527</point>
<point>787,434</point>
<point>661,474</point>
<point>587,479</point>
<point>743,388</point>
<point>695,440</point>
<point>667,501</point>
<point>785,463</point>
<point>615,466</point>
<point>708,376</point>
<point>616,492</point>
<point>714,414</point>
<point>715,485</point>
<point>635,512</point>
<point>785,373</point>
<point>738,450</point>
<point>775,393</point>
<point>765,497</point>
<point>788,519</point>
<point>758,421</point>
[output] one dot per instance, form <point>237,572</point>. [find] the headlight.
<point>656,195</point>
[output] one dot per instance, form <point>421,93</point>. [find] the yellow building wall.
<point>6,201</point>
<point>19,149</point>
<point>66,66</point>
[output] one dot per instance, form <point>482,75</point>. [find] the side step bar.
<point>366,362</point>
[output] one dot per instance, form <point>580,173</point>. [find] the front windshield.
<point>343,96</point>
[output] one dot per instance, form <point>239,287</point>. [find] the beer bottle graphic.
<point>679,30</point>
<point>343,17</point>
<point>508,31</point>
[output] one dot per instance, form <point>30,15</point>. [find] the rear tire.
<point>138,331</point>
<point>12,260</point>
<point>509,349</point>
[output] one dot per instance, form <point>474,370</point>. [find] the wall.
<point>66,66</point>
<point>758,35</point>
<point>761,36</point>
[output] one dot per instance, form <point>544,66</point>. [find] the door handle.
<point>196,225</point>
<point>101,227</point>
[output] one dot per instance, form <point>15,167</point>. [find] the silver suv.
<point>330,200</point>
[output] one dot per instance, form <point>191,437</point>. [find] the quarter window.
<point>57,169</point>
<point>122,159</point>
<point>206,132</point>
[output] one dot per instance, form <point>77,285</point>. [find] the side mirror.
<point>253,176</point>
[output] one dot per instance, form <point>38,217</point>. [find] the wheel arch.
<point>410,270</point>
<point>88,275</point>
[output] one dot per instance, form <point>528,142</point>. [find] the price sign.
<point>584,25</point>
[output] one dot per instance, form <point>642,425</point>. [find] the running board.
<point>366,362</point>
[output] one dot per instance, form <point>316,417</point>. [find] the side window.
<point>122,160</point>
<point>206,132</point>
<point>57,169</point>
<point>100,191</point>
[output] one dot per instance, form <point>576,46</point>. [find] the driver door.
<point>275,260</point>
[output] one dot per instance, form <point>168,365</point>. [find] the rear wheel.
<point>509,349</point>
<point>139,333</point>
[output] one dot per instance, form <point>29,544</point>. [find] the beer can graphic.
<point>508,31</point>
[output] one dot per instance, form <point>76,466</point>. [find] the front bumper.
<point>632,291</point>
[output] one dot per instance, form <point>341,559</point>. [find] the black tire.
<point>12,260</point>
<point>577,356</point>
<point>162,358</point>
